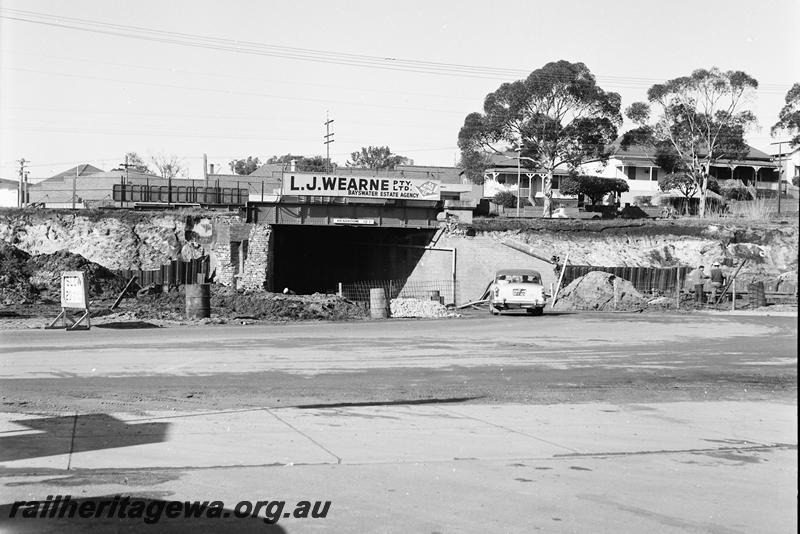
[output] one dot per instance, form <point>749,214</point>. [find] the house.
<point>637,166</point>
<point>9,193</point>
<point>789,166</point>
<point>506,171</point>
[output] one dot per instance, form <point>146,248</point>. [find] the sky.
<point>86,81</point>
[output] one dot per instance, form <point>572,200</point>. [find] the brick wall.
<point>257,265</point>
<point>221,255</point>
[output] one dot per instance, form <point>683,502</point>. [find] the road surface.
<point>564,423</point>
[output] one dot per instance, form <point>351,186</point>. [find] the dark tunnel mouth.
<point>315,259</point>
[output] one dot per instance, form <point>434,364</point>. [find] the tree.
<point>789,117</point>
<point>594,187</point>
<point>304,163</point>
<point>474,163</point>
<point>557,116</point>
<point>376,157</point>
<point>701,120</point>
<point>136,163</point>
<point>682,182</point>
<point>168,166</point>
<point>244,166</point>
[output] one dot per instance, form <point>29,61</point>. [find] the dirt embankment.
<point>770,248</point>
<point>118,239</point>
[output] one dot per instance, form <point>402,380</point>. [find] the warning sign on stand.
<point>74,293</point>
<point>74,296</point>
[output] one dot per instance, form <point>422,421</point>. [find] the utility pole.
<point>780,171</point>
<point>74,184</point>
<point>328,140</point>
<point>22,183</point>
<point>126,165</point>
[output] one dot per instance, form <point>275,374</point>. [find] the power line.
<point>294,53</point>
<point>229,92</point>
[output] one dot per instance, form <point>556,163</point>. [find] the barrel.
<point>378,307</point>
<point>756,293</point>
<point>198,301</point>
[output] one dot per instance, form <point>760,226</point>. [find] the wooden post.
<point>560,278</point>
<point>615,292</point>
<point>733,297</point>
<point>340,290</point>
<point>678,288</point>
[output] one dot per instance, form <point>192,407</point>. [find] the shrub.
<point>594,187</point>
<point>507,199</point>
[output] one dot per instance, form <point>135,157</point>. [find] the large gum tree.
<point>557,116</point>
<point>701,119</point>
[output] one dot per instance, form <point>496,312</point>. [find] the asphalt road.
<point>521,359</point>
<point>562,423</point>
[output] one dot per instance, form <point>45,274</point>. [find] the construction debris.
<point>405,307</point>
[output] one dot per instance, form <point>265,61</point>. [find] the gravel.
<point>405,307</point>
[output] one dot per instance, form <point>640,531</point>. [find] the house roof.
<point>80,170</point>
<point>8,184</point>
<point>638,152</point>
<point>267,169</point>
<point>101,175</point>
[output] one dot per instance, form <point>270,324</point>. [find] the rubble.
<point>227,303</point>
<point>595,291</point>
<point>406,307</point>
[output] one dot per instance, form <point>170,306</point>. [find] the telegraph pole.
<point>22,182</point>
<point>328,140</point>
<point>780,170</point>
<point>126,165</point>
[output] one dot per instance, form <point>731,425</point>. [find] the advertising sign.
<point>74,292</point>
<point>321,185</point>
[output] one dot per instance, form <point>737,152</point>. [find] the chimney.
<point>211,171</point>
<point>293,165</point>
<point>205,167</point>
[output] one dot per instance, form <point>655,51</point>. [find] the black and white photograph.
<point>432,267</point>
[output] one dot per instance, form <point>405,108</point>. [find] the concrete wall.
<point>477,259</point>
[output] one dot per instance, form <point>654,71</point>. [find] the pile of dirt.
<point>29,278</point>
<point>45,275</point>
<point>228,303</point>
<point>595,291</point>
<point>404,307</point>
<point>15,286</point>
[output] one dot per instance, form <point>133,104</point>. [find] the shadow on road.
<point>127,325</point>
<point>77,433</point>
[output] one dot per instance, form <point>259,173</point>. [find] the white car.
<point>517,289</point>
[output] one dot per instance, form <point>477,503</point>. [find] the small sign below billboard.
<point>354,221</point>
<point>322,185</point>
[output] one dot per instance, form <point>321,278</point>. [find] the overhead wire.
<point>297,53</point>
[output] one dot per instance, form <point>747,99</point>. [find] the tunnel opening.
<point>309,259</point>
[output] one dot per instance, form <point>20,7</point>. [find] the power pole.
<point>780,171</point>
<point>126,165</point>
<point>328,140</point>
<point>75,185</point>
<point>21,192</point>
